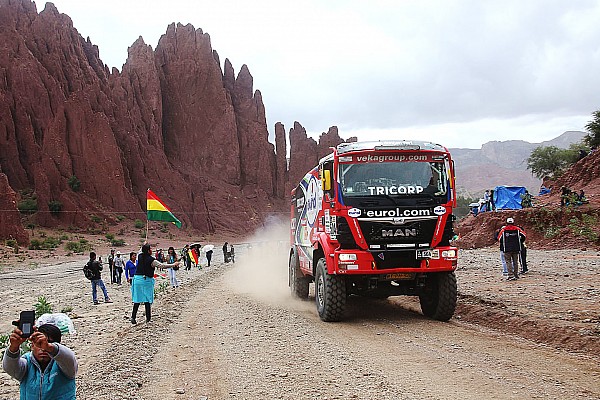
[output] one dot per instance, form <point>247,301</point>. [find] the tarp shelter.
<point>508,197</point>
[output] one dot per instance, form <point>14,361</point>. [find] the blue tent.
<point>508,197</point>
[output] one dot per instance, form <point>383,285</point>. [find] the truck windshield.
<point>396,179</point>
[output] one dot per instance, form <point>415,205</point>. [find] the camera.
<point>26,323</point>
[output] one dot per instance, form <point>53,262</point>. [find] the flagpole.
<point>146,240</point>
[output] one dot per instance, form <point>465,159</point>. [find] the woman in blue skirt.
<point>142,285</point>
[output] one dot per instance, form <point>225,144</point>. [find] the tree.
<point>592,139</point>
<point>549,161</point>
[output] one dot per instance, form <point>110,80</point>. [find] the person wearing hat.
<point>48,370</point>
<point>119,264</point>
<point>511,237</point>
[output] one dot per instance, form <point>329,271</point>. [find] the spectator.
<point>130,267</point>
<point>185,257</point>
<point>565,192</point>
<point>48,370</point>
<point>232,254</point>
<point>581,197</point>
<point>486,201</point>
<point>502,259</point>
<point>96,267</point>
<point>171,271</point>
<point>111,259</point>
<point>209,254</point>
<point>526,199</point>
<point>142,287</point>
<point>511,237</point>
<point>225,252</point>
<point>118,266</point>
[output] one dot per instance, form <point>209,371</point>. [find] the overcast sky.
<point>458,72</point>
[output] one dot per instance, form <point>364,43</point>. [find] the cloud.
<point>388,66</point>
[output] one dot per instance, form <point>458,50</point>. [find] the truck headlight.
<point>449,254</point>
<point>347,257</point>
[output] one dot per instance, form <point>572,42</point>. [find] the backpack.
<point>87,271</point>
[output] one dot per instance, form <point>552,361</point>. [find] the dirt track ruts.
<point>232,332</point>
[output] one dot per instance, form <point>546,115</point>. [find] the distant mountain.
<point>501,163</point>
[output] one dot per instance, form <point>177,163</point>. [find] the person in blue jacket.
<point>130,267</point>
<point>48,371</point>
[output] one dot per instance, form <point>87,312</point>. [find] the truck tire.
<point>438,301</point>
<point>330,294</point>
<point>298,283</point>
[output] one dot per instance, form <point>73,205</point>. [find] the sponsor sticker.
<point>354,212</point>
<point>439,210</point>
<point>312,201</point>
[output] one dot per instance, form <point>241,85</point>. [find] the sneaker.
<point>96,302</point>
<point>511,278</point>
<point>148,321</point>
<point>108,301</point>
<point>133,321</point>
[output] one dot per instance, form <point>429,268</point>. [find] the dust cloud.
<point>261,269</point>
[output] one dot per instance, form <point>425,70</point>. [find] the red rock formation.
<point>171,120</point>
<point>304,154</point>
<point>10,219</point>
<point>281,160</point>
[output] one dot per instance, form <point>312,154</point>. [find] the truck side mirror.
<point>326,179</point>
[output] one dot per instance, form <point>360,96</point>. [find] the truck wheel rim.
<point>321,291</point>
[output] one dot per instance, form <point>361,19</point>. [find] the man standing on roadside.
<point>510,237</point>
<point>96,267</point>
<point>111,261</point>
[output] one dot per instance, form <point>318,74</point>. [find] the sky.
<point>457,72</point>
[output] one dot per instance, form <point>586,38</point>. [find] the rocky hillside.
<point>548,225</point>
<point>501,163</point>
<point>172,120</point>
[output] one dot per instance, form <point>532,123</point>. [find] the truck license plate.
<point>399,276</point>
<point>421,254</point>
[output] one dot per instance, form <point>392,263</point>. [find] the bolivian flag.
<point>158,211</point>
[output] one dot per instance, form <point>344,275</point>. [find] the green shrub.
<point>55,206</point>
<point>96,219</point>
<point>66,309</point>
<point>28,206</point>
<point>42,306</point>
<point>117,242</point>
<point>120,218</point>
<point>48,243</point>
<point>64,237</point>
<point>74,183</point>
<point>12,243</point>
<point>110,236</point>
<point>138,224</point>
<point>78,247</point>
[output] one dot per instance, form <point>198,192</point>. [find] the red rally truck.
<point>374,219</point>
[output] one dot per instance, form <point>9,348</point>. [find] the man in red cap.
<point>511,237</point>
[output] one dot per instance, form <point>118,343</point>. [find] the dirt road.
<point>233,332</point>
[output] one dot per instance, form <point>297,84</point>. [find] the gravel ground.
<point>233,332</point>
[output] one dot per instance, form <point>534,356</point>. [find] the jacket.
<point>511,237</point>
<point>96,267</point>
<point>144,265</point>
<point>57,382</point>
<point>130,268</point>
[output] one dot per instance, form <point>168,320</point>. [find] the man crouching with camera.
<point>48,371</point>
